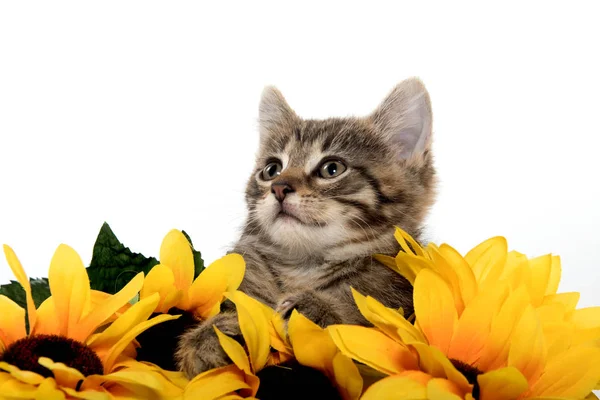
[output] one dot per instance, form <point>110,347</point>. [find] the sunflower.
<point>180,294</point>
<point>266,344</point>
<point>262,329</point>
<point>313,347</point>
<point>70,351</point>
<point>173,279</point>
<point>486,323</point>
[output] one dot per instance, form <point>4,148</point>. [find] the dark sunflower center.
<point>24,354</point>
<point>470,373</point>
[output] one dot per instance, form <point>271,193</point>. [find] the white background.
<point>143,114</point>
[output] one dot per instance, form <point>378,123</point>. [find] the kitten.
<point>324,197</point>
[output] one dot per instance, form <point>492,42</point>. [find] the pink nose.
<point>280,190</point>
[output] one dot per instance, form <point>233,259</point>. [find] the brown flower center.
<point>24,354</point>
<point>470,373</point>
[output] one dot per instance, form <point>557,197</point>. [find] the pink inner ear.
<point>405,118</point>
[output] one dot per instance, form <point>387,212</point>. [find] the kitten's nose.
<point>280,189</point>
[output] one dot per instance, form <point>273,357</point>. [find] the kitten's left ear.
<point>275,115</point>
<point>404,117</point>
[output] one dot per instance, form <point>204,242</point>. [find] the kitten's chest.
<point>303,276</point>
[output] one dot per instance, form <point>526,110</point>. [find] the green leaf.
<point>40,291</point>
<point>198,261</point>
<point>113,265</point>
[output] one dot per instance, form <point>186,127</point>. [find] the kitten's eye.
<point>331,169</point>
<point>271,171</point>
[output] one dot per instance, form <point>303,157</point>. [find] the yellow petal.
<point>541,267</point>
<point>555,273</point>
<point>215,383</point>
<point>409,265</point>
<point>487,259</point>
<point>473,328</point>
<point>347,378</point>
<point>501,384</point>
<point>443,389</point>
<point>402,237</point>
<point>373,348</point>
<point>46,322</point>
<point>150,382</point>
<point>65,376</point>
<point>223,275</point>
<point>98,394</point>
<point>19,272</point>
<point>137,314</point>
<point>160,280</point>
<point>70,288</point>
<point>114,340</point>
<point>449,273</point>
<point>28,377</point>
<point>48,390</point>
<point>573,375</point>
<point>254,325</point>
<point>504,321</point>
<point>434,309</point>
<point>397,388</point>
<point>176,253</point>
<point>175,377</point>
<point>466,279</point>
<point>433,362</point>
<point>312,345</point>
<point>12,321</point>
<point>115,351</point>
<point>98,297</point>
<point>277,331</point>
<point>206,293</point>
<point>568,299</point>
<point>390,321</point>
<point>17,389</point>
<point>235,351</point>
<point>233,267</point>
<point>528,349</point>
<point>107,308</point>
<point>585,318</point>
<point>388,261</point>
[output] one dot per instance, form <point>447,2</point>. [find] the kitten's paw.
<point>199,348</point>
<point>312,306</point>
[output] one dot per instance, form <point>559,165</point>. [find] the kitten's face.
<point>337,186</point>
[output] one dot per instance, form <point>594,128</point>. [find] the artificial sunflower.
<point>64,355</point>
<point>263,330</point>
<point>313,347</point>
<point>173,279</point>
<point>266,344</point>
<point>410,385</point>
<point>484,323</point>
<point>180,294</point>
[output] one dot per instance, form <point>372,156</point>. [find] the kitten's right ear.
<point>274,113</point>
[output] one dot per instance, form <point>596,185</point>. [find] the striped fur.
<point>308,261</point>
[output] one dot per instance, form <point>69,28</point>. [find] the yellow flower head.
<point>490,324</point>
<point>263,330</point>
<point>266,344</point>
<point>62,356</point>
<point>173,279</point>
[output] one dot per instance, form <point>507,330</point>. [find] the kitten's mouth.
<point>286,215</point>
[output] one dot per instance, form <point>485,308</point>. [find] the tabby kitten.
<point>324,197</point>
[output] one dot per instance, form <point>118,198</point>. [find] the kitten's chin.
<point>300,239</point>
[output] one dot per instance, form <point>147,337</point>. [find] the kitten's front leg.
<point>199,348</point>
<point>318,307</point>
